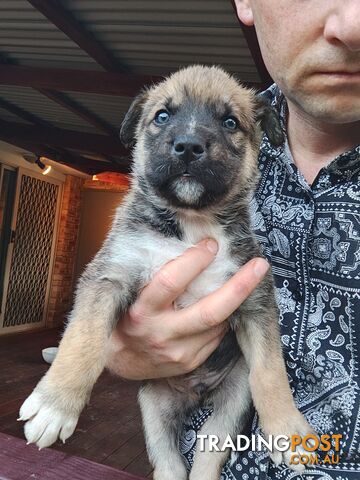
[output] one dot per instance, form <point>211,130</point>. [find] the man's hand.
<point>154,340</point>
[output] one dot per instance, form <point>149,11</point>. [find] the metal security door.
<point>7,197</point>
<point>27,279</point>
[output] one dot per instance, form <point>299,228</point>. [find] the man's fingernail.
<point>212,245</point>
<point>261,267</point>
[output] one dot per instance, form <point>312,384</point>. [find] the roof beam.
<point>5,60</point>
<point>93,166</point>
<point>23,114</point>
<point>35,120</point>
<point>254,47</point>
<point>78,162</point>
<point>79,110</point>
<point>62,100</point>
<point>69,139</point>
<point>67,103</point>
<point>72,28</point>
<point>75,80</point>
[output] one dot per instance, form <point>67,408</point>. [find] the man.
<point>306,214</point>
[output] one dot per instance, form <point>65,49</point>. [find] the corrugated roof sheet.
<point>30,39</point>
<point>10,117</point>
<point>39,105</point>
<point>148,36</point>
<point>158,36</point>
<point>110,108</point>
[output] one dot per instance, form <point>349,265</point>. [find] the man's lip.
<point>339,73</point>
<point>339,77</point>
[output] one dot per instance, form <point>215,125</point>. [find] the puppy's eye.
<point>231,123</point>
<point>162,117</point>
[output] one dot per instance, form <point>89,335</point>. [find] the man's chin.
<point>331,103</point>
<point>339,111</point>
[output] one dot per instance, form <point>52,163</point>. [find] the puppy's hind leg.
<point>162,421</point>
<point>232,402</point>
<point>53,409</point>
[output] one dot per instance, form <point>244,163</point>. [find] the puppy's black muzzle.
<point>188,148</point>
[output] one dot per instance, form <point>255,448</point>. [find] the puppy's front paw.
<point>45,422</point>
<point>295,424</point>
<point>178,472</point>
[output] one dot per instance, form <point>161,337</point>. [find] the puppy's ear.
<point>269,121</point>
<point>132,117</point>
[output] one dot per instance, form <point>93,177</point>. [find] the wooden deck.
<point>19,461</point>
<point>109,430</point>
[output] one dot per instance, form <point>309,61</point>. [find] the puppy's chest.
<point>157,250</point>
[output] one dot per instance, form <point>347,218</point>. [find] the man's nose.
<point>343,24</point>
<point>188,148</point>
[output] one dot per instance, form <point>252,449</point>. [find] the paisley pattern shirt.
<point>311,235</point>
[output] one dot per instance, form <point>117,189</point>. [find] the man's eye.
<point>162,117</point>
<point>231,123</point>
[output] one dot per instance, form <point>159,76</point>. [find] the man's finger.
<point>173,278</point>
<point>205,352</point>
<point>216,307</point>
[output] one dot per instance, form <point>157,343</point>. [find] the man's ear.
<point>132,117</point>
<point>244,12</point>
<point>269,121</point>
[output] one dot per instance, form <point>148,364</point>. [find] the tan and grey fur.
<point>193,176</point>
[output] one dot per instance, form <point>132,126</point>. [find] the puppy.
<point>195,168</point>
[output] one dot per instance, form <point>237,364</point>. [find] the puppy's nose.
<point>188,148</point>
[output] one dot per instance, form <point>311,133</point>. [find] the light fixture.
<point>39,163</point>
<point>45,168</point>
<point>32,158</point>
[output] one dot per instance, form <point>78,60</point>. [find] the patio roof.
<point>69,68</point>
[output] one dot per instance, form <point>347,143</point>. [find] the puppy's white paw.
<point>175,471</point>
<point>45,422</point>
<point>170,475</point>
<point>296,424</point>
<point>290,458</point>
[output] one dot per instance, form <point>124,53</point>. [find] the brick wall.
<point>62,281</point>
<point>63,276</point>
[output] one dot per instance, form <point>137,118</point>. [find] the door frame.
<point>3,168</point>
<point>39,325</point>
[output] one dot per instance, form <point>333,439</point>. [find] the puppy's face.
<point>197,137</point>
